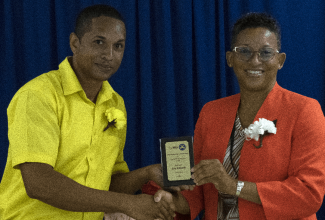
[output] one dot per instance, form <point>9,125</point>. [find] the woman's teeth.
<point>253,72</point>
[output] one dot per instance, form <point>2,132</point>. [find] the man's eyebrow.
<point>100,37</point>
<point>104,38</point>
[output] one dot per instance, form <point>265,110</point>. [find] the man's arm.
<point>51,187</point>
<point>129,183</point>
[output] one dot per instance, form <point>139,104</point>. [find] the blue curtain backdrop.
<point>174,61</point>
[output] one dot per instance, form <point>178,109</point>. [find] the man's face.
<point>98,55</point>
<point>256,74</point>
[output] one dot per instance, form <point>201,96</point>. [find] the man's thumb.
<point>157,196</point>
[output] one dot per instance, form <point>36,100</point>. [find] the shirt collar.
<point>71,84</point>
<point>106,92</point>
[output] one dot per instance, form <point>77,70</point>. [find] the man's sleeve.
<point>33,129</point>
<point>120,165</point>
<point>301,194</point>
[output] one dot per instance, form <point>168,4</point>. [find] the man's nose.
<point>108,52</point>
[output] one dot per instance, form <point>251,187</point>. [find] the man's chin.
<point>103,76</point>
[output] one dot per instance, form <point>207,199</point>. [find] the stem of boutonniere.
<point>110,123</point>
<point>275,122</point>
<point>261,144</point>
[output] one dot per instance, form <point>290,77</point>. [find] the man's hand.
<point>145,208</point>
<point>165,201</point>
<point>155,174</point>
<point>212,171</point>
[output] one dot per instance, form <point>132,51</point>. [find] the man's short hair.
<point>256,20</point>
<point>84,19</point>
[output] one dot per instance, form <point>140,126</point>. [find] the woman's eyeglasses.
<point>246,53</point>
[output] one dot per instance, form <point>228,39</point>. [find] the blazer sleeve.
<point>301,194</point>
<point>195,198</point>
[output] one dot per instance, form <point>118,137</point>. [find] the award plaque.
<point>177,159</point>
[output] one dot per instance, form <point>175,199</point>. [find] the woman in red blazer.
<point>285,177</point>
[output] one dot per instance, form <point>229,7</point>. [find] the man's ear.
<point>229,57</point>
<point>74,43</point>
<point>281,59</point>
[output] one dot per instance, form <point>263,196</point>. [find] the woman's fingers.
<point>208,171</point>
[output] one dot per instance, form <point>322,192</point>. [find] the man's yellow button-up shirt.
<point>51,121</point>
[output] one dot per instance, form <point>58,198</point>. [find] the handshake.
<point>166,201</point>
<point>164,204</point>
<point>161,206</point>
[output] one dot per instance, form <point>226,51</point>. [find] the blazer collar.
<point>269,108</point>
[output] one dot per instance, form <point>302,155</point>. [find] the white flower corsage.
<point>115,117</point>
<point>262,127</point>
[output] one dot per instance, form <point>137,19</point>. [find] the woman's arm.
<point>212,171</point>
<point>181,204</point>
<point>249,192</point>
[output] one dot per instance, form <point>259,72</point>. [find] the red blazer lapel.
<point>216,125</point>
<point>254,161</point>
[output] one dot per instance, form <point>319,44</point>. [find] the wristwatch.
<point>240,185</point>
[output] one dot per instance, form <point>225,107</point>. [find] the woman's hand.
<point>155,174</point>
<point>181,188</point>
<point>212,171</point>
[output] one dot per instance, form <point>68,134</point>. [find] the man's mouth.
<point>104,66</point>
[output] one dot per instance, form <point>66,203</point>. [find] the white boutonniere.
<point>261,128</point>
<point>115,117</point>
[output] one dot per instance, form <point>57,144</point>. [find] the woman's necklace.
<point>232,139</point>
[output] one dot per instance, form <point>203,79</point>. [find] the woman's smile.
<point>254,73</point>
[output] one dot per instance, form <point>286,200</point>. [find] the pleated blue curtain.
<point>174,61</point>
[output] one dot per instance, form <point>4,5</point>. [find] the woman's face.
<point>255,74</point>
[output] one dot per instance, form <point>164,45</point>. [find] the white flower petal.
<point>259,128</point>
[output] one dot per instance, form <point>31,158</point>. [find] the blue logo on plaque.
<point>182,147</point>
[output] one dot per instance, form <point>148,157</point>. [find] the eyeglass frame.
<point>259,54</point>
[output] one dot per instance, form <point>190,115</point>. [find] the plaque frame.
<point>163,142</point>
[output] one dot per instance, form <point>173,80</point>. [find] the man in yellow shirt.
<point>67,131</point>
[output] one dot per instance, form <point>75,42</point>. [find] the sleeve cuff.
<point>36,158</point>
